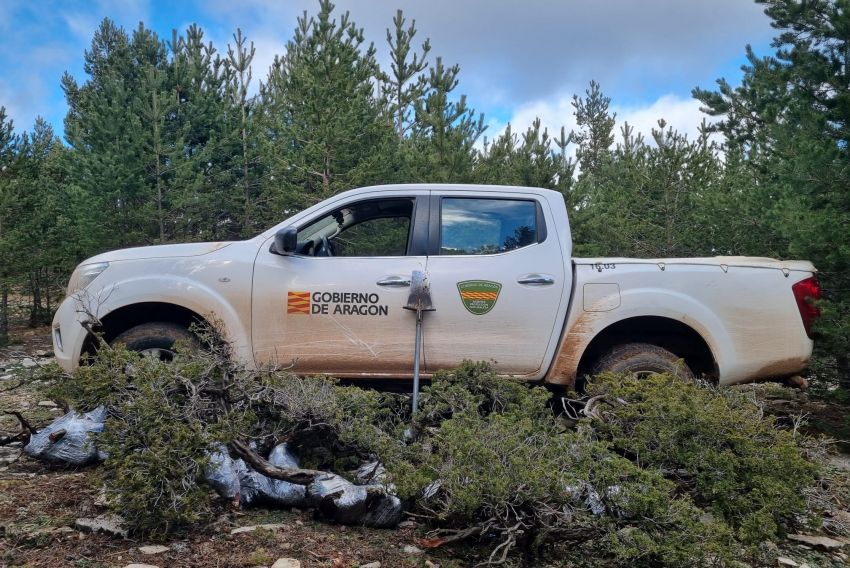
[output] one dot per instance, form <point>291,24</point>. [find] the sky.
<point>519,59</point>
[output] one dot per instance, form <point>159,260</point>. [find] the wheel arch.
<point>128,316</point>
<point>675,336</point>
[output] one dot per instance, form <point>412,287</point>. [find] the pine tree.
<point>239,59</point>
<point>445,131</point>
<point>596,128</point>
<point>8,156</point>
<point>789,120</point>
<point>105,131</point>
<point>406,85</point>
<point>321,115</point>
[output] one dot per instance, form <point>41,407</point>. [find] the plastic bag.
<point>69,439</point>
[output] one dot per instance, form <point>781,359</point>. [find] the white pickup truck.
<point>323,292</point>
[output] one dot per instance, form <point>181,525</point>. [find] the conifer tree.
<point>406,84</point>
<point>789,121</point>
<point>321,115</point>
<point>104,129</point>
<point>596,128</point>
<point>239,58</point>
<point>8,154</point>
<point>445,131</point>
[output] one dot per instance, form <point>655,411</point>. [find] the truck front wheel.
<point>155,339</point>
<point>642,359</point>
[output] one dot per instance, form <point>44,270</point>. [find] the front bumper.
<point>68,334</point>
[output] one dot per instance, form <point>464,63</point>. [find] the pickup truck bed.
<point>738,318</point>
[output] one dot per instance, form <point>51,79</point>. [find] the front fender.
<point>200,298</point>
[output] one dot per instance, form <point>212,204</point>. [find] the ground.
<point>40,504</point>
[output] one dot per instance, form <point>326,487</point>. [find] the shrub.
<point>500,467</point>
<point>661,473</point>
<point>715,443</point>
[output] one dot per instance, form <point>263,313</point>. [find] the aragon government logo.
<point>478,296</point>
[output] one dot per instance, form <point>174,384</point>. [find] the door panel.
<point>330,315</point>
<point>336,314</point>
<point>497,285</point>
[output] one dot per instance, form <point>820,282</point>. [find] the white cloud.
<point>682,114</point>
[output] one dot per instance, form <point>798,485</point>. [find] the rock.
<point>782,561</point>
<point>47,404</point>
<point>41,353</point>
<point>410,549</point>
<point>29,363</point>
<point>7,377</point>
<point>252,528</point>
<point>102,499</point>
<point>429,564</point>
<point>408,524</point>
<point>286,563</point>
<point>840,461</point>
<point>141,566</point>
<point>112,525</point>
<point>9,454</point>
<point>371,565</point>
<point>153,549</point>
<point>822,542</point>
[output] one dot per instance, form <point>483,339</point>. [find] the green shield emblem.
<point>478,296</point>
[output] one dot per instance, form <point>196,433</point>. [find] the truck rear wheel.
<point>156,339</point>
<point>642,359</point>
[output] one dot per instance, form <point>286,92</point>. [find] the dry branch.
<point>292,475</point>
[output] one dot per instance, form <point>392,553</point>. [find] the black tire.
<point>642,359</point>
<point>156,339</point>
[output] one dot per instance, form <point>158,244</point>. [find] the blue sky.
<point>518,59</point>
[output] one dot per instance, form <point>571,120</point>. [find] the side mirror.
<point>286,241</point>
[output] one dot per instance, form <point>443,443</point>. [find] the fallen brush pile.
<point>640,472</point>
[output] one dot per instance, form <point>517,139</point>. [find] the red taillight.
<point>806,292</point>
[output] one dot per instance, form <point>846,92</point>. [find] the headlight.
<point>85,275</point>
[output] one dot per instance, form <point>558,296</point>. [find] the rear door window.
<point>472,226</point>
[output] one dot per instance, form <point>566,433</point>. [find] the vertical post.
<point>417,355</point>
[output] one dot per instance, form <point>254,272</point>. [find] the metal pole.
<point>418,301</point>
<point>417,352</point>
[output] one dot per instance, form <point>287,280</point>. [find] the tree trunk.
<point>158,167</point>
<point>4,314</point>
<point>843,368</point>
<point>35,307</point>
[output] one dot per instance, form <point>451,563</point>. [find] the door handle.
<point>536,280</point>
<point>394,282</point>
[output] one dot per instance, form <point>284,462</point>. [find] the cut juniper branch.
<point>24,435</point>
<point>24,424</point>
<point>292,475</point>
